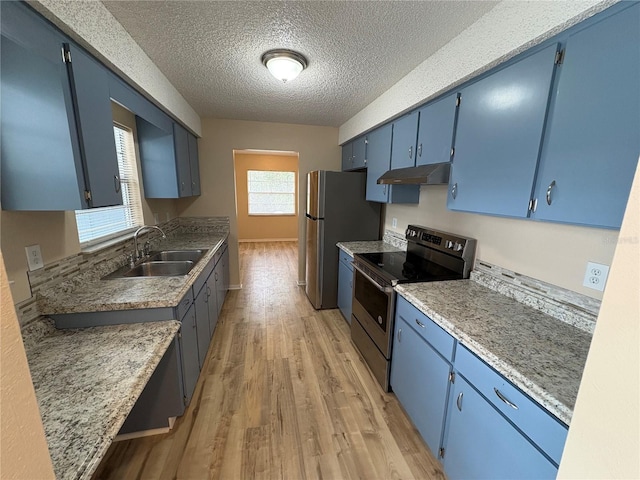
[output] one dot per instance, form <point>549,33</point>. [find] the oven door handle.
<point>386,290</point>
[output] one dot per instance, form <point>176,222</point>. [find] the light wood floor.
<point>283,395</point>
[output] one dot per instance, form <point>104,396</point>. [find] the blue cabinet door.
<point>194,165</point>
<point>90,84</point>
<point>345,290</point>
<point>189,351</point>
<point>420,380</point>
<point>181,144</point>
<point>378,162</point>
<point>481,444</point>
<point>436,127</point>
<point>498,136</point>
<point>405,132</point>
<point>41,166</point>
<point>212,306</point>
<point>593,135</point>
<point>202,324</point>
<point>218,274</point>
<point>359,152</point>
<point>347,156</point>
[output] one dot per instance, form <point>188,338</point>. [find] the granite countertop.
<point>367,247</point>
<point>134,293</point>
<point>87,381</point>
<point>541,355</point>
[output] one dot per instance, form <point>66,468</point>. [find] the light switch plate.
<point>34,257</point>
<point>394,222</point>
<point>596,276</point>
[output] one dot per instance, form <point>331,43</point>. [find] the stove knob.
<point>458,247</point>
<point>448,244</point>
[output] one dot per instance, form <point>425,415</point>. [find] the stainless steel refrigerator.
<point>336,212</point>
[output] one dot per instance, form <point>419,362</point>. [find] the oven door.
<point>373,308</point>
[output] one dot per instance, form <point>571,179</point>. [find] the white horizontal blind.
<point>99,224</point>
<point>271,192</point>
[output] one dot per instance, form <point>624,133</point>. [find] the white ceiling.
<point>210,51</point>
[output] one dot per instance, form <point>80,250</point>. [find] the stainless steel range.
<point>431,256</point>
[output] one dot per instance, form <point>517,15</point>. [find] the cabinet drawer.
<point>184,304</point>
<point>426,328</point>
<point>346,258</point>
<point>526,414</point>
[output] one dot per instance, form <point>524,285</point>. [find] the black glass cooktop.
<point>407,267</point>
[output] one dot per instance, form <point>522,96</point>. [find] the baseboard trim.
<point>235,287</point>
<point>146,433</point>
<point>262,240</point>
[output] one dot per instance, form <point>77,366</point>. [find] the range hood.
<point>434,174</point>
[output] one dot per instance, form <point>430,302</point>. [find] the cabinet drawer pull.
<point>549,189</point>
<point>505,399</point>
<point>459,401</point>
<point>116,183</point>
<point>419,323</point>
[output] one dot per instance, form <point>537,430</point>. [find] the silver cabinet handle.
<point>182,186</point>
<point>454,190</point>
<point>420,324</point>
<point>420,150</point>
<point>459,401</point>
<point>116,183</point>
<point>411,151</point>
<point>399,335</point>
<point>384,190</point>
<point>505,399</point>
<point>216,275</point>
<point>549,189</point>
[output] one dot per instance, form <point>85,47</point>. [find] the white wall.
<point>555,253</point>
<point>506,30</point>
<point>93,26</point>
<point>604,438</point>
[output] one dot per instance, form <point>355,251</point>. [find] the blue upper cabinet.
<point>41,164</point>
<point>436,127</point>
<point>347,156</point>
<point>593,135</point>
<point>194,164</point>
<point>90,85</point>
<point>354,154</point>
<point>378,163</point>
<point>183,167</point>
<point>405,132</point>
<point>498,136</point>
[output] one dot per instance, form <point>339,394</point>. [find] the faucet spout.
<point>136,251</point>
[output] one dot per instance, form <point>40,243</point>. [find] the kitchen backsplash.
<point>396,239</point>
<point>570,307</point>
<point>65,274</point>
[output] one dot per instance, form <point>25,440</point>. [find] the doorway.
<point>267,203</point>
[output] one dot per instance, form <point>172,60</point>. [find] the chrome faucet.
<point>136,251</point>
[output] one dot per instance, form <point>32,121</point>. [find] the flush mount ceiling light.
<point>284,64</point>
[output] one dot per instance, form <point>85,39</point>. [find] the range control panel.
<point>447,242</point>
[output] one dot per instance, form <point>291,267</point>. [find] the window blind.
<point>271,192</point>
<point>99,224</point>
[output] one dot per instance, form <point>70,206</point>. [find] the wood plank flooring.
<point>283,395</point>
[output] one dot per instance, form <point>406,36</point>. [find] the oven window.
<point>375,302</point>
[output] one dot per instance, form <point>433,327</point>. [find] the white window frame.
<point>273,214</point>
<point>131,196</point>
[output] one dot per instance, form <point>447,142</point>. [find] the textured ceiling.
<point>210,51</point>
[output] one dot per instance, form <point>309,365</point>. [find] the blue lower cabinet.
<point>202,324</point>
<point>482,444</point>
<point>189,353</point>
<point>345,286</point>
<point>420,380</point>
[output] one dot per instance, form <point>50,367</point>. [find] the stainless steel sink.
<point>160,269</point>
<point>177,255</point>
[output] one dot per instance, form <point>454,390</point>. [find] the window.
<point>271,193</point>
<point>99,224</point>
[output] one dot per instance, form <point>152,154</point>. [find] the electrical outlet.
<point>34,257</point>
<point>394,222</point>
<point>596,276</point>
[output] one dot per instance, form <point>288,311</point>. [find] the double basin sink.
<point>167,263</point>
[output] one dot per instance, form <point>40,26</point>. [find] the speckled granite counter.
<point>543,356</point>
<point>366,247</point>
<point>132,293</point>
<point>86,383</point>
